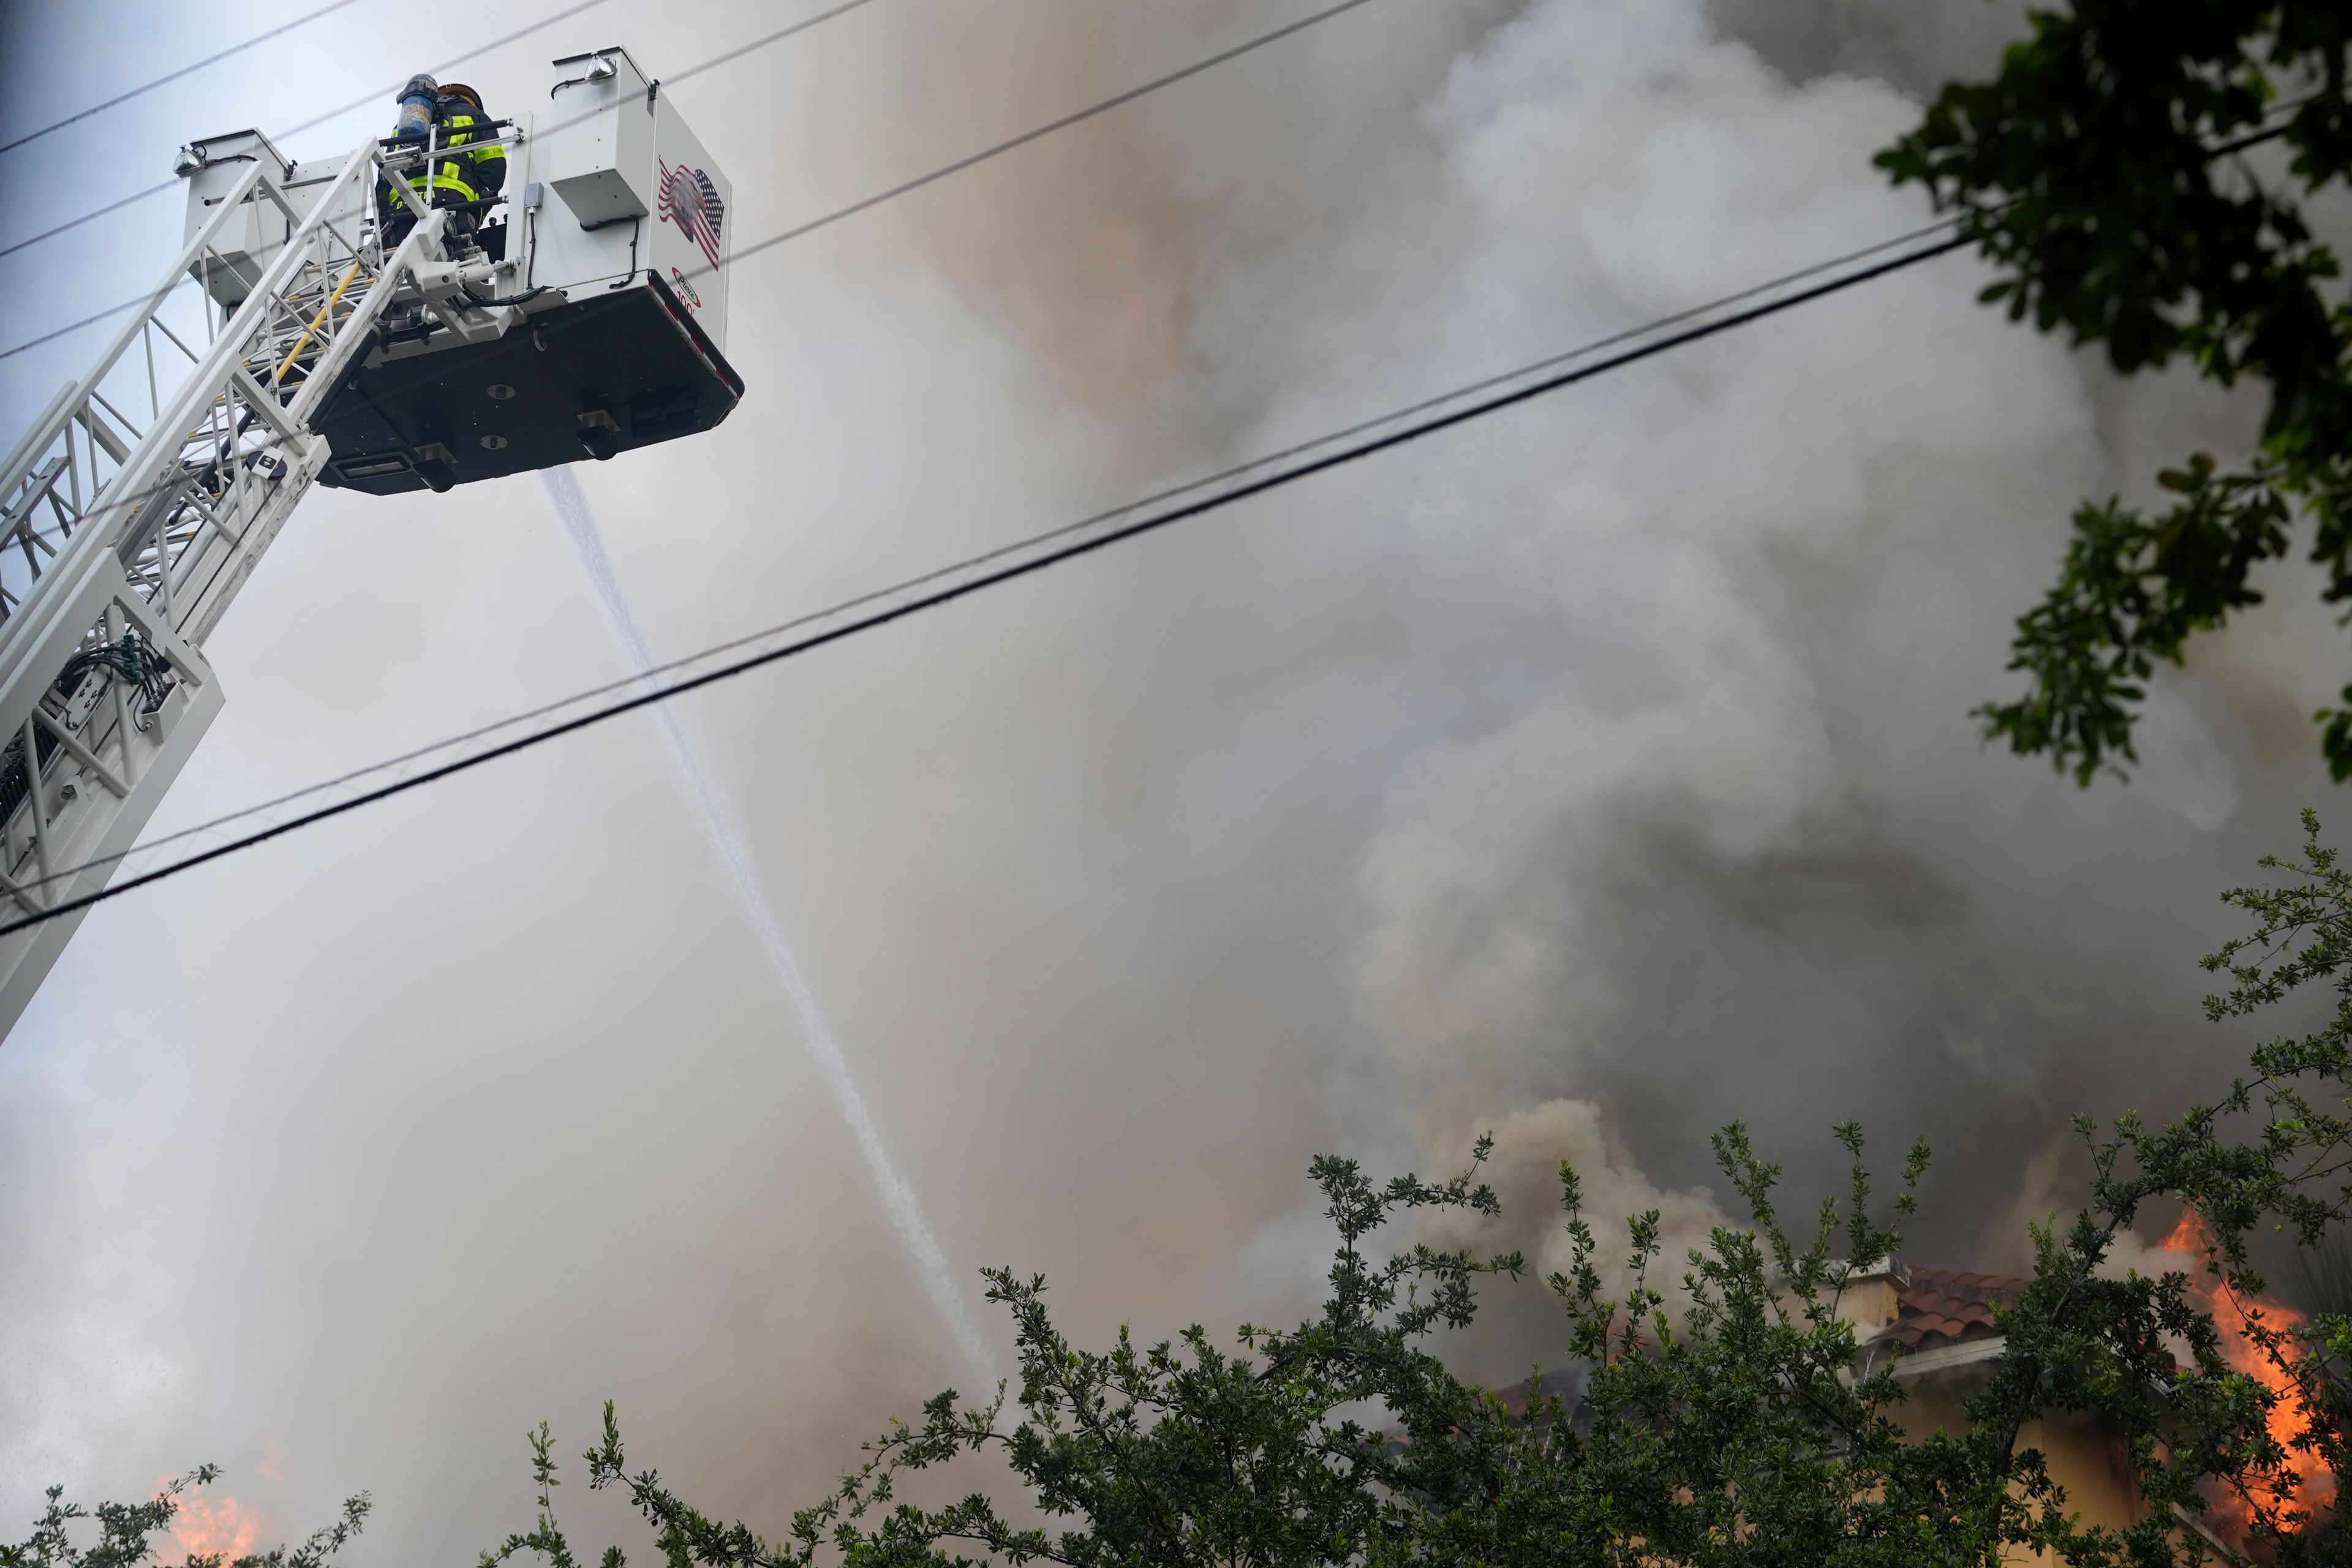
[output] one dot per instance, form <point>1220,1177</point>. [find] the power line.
<point>693,71</point>
<point>932,589</point>
<point>71,327</point>
<point>311,123</point>
<point>906,187</point>
<point>91,217</point>
<point>2249,139</point>
<point>2242,143</point>
<point>1956,232</point>
<point>779,36</point>
<point>384,93</point>
<point>961,165</point>
<point>174,76</point>
<point>316,121</point>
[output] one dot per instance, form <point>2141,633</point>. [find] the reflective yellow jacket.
<point>475,174</point>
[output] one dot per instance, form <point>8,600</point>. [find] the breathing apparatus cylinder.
<point>418,100</point>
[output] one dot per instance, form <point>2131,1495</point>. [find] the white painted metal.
<point>696,276</point>
<point>139,504</point>
<point>600,155</point>
<point>143,499</point>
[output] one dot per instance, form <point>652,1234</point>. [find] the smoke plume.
<point>1595,775</point>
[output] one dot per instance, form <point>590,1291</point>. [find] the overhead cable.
<point>2239,144</point>
<point>311,123</point>
<point>905,187</point>
<point>123,97</point>
<point>385,94</point>
<point>779,36</point>
<point>133,199</point>
<point>1063,123</point>
<point>54,334</point>
<point>182,851</point>
<point>316,121</point>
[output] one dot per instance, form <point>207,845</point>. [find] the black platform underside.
<point>591,377</point>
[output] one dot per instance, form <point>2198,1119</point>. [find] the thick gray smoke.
<point>1738,855</point>
<point>1595,775</point>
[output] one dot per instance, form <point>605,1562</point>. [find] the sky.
<point>1593,775</point>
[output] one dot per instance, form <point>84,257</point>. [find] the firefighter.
<point>468,166</point>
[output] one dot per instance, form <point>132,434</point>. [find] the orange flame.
<point>2234,1315</point>
<point>205,1526</point>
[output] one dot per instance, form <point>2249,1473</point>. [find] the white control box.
<point>628,188</point>
<point>213,167</point>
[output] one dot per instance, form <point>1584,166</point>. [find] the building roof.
<point>1941,1306</point>
<point>1935,1310</point>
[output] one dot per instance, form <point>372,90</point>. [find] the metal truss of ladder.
<point>123,539</point>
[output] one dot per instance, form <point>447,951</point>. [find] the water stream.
<point>719,831</point>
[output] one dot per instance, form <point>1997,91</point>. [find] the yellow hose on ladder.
<point>312,331</point>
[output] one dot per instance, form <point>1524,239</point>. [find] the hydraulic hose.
<point>479,303</point>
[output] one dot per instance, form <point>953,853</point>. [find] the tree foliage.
<point>1737,1431</point>
<point>126,1533</point>
<point>2139,173</point>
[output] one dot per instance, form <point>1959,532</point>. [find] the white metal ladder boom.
<point>123,542</point>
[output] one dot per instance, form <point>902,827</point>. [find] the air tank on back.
<point>587,317</point>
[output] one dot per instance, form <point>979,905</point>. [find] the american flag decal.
<point>689,200</point>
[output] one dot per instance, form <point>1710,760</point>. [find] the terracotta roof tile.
<point>1940,1307</point>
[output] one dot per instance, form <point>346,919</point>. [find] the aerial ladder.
<point>580,313</point>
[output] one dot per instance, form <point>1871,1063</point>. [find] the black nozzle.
<point>436,467</point>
